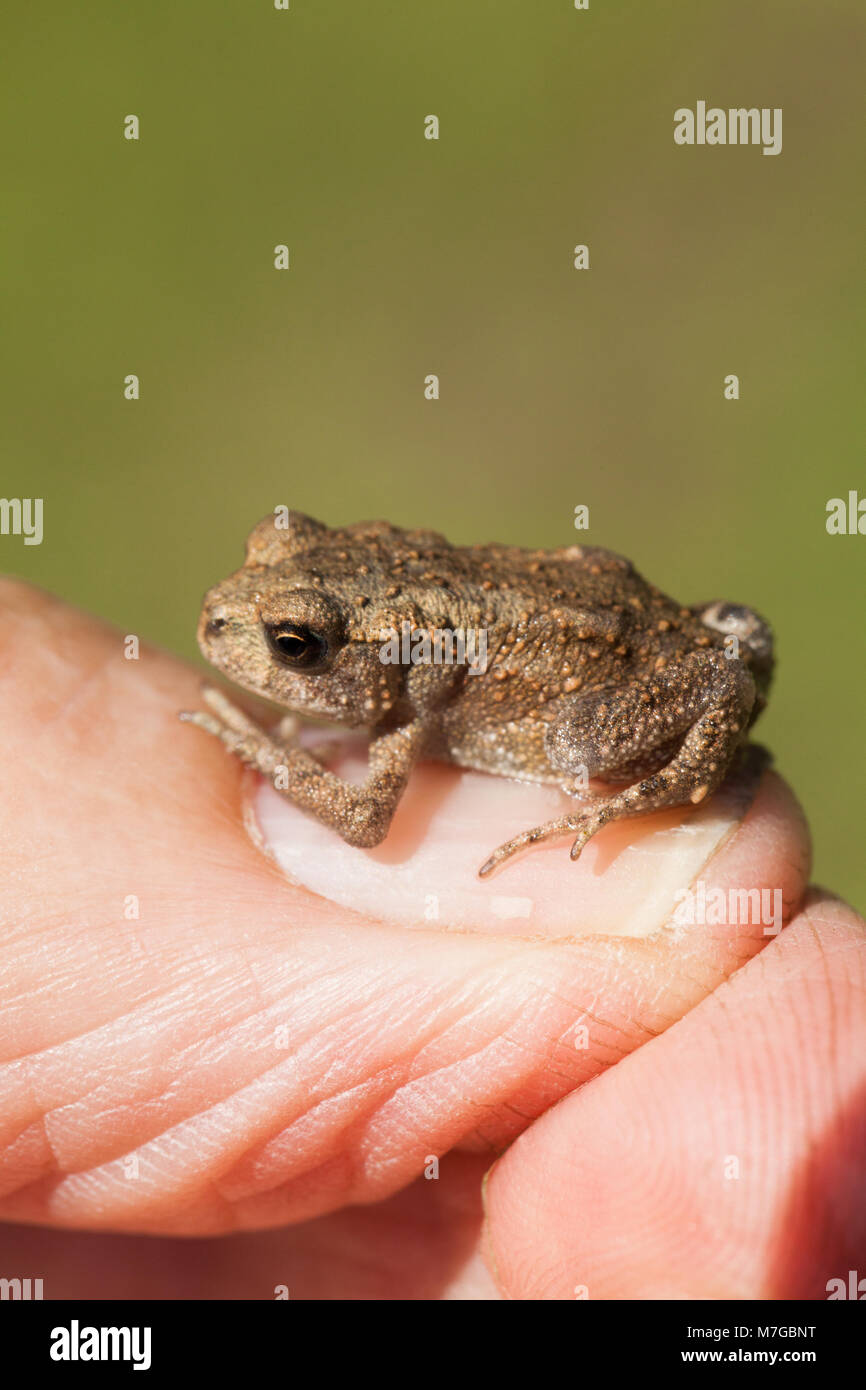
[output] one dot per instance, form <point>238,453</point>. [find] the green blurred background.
<point>410,257</point>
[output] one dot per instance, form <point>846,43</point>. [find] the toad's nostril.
<point>215,625</point>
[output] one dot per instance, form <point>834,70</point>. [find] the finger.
<point>723,1160</point>
<point>192,1043</point>
<point>422,1243</point>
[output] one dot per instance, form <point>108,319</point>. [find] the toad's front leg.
<point>360,814</point>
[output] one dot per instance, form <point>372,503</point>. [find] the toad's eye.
<point>298,646</point>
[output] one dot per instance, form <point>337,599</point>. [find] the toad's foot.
<point>587,823</point>
<point>657,793</point>
<point>227,718</point>
<point>237,731</point>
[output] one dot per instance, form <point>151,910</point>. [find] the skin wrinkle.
<point>231,1213</point>
<point>379,1167</point>
<point>132,1015</point>
<point>585,1013</point>
<point>563,1044</point>
<point>149,1197</point>
<point>284,1126</point>
<point>40,1120</point>
<point>477,1136</point>
<point>521,1114</point>
<point>490,1111</point>
<point>391,1075</point>
<point>460,1064</point>
<point>606,1054</point>
<point>493,1108</point>
<point>459,1026</point>
<point>325,1077</point>
<point>177,1059</point>
<point>617,1028</point>
<point>176,1064</point>
<point>701,987</point>
<point>32,1055</point>
<point>351,1155</point>
<point>18,1181</point>
<point>156,1204</point>
<point>543,1056</point>
<point>598,1051</point>
<point>152,997</point>
<point>564,1076</point>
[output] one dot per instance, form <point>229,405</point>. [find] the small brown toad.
<point>545,665</point>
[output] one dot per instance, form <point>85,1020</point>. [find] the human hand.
<point>244,1054</point>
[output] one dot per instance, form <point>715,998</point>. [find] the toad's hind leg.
<point>705,697</point>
